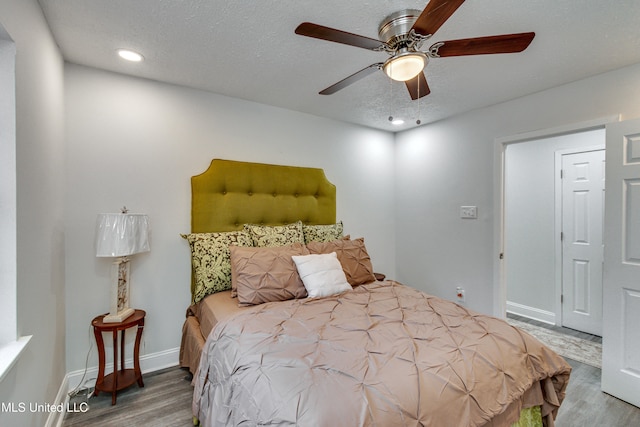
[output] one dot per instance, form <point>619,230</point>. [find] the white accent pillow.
<point>321,274</point>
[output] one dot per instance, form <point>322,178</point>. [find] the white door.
<point>621,323</point>
<point>582,251</point>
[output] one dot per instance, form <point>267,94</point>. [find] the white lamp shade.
<point>121,234</point>
<point>405,66</point>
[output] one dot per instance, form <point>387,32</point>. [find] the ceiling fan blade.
<point>506,43</point>
<point>434,15</point>
<point>351,79</point>
<point>331,34</point>
<point>418,86</point>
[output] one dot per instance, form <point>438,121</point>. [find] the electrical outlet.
<point>460,294</point>
<point>469,212</point>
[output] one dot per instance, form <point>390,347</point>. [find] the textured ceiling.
<point>247,49</point>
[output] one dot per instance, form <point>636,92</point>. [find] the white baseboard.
<point>56,418</point>
<point>531,313</point>
<point>148,363</point>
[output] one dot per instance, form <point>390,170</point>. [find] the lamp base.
<point>119,316</point>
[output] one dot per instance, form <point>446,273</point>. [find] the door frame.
<point>558,220</point>
<point>500,146</point>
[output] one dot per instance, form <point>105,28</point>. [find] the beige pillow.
<point>353,256</point>
<point>322,233</point>
<point>210,260</point>
<point>262,275</point>
<point>277,235</point>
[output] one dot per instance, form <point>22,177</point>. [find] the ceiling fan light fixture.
<point>405,65</point>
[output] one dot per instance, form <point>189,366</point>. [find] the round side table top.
<point>134,319</point>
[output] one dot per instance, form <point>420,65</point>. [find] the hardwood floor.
<point>586,405</point>
<point>165,400</point>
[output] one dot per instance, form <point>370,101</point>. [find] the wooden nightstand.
<point>119,378</point>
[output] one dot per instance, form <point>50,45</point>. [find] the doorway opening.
<point>530,247</point>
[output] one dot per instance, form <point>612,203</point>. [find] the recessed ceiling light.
<point>397,122</point>
<point>130,55</point>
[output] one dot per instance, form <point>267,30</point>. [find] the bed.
<point>297,342</point>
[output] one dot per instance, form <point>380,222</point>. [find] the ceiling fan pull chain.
<point>418,120</point>
<point>390,99</point>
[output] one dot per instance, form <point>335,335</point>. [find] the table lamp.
<point>120,235</point>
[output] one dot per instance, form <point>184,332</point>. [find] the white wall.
<point>8,215</point>
<point>40,201</point>
<point>137,142</point>
<point>530,214</point>
<point>446,164</point>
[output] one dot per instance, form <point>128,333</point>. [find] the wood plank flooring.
<point>165,400</point>
<point>586,405</point>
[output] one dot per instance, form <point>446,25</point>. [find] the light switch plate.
<point>469,212</point>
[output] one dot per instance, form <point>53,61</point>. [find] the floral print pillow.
<point>211,262</point>
<point>322,233</point>
<point>264,236</point>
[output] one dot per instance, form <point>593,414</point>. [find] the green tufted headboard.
<point>231,193</point>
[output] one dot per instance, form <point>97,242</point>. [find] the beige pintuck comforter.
<point>381,355</point>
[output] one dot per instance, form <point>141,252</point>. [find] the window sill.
<point>10,352</point>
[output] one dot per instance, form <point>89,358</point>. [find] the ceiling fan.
<point>402,35</point>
